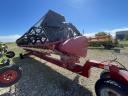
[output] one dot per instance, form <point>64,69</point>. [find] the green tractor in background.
<point>4,53</point>
<point>3,47</point>
<point>9,73</point>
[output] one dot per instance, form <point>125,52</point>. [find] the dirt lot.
<point>41,78</point>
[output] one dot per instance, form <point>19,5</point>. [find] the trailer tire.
<point>104,74</point>
<point>107,47</point>
<point>21,56</point>
<point>10,54</point>
<point>10,75</point>
<point>109,87</point>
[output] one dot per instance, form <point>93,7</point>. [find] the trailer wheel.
<point>10,54</point>
<point>108,46</point>
<point>109,87</point>
<point>21,56</point>
<point>10,75</point>
<point>104,74</point>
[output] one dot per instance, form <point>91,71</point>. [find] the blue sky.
<point>17,16</point>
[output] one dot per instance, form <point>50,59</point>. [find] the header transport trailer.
<point>53,35</point>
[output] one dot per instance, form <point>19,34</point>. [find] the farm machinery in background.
<point>107,41</point>
<point>9,73</point>
<point>53,35</point>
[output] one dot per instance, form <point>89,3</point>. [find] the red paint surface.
<point>75,46</point>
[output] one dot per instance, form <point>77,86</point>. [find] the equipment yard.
<point>40,78</point>
<point>64,48</point>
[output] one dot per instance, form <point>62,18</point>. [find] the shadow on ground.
<point>40,80</point>
<point>6,94</point>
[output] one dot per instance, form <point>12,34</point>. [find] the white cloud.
<point>112,32</point>
<point>13,38</point>
<point>9,38</point>
<point>90,34</point>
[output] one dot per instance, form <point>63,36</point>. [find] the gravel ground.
<point>41,78</point>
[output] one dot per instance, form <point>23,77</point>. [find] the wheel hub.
<point>8,76</point>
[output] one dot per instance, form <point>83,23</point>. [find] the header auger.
<point>53,35</point>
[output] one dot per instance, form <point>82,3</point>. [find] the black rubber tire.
<point>111,84</point>
<point>107,47</point>
<point>104,74</point>
<point>10,54</point>
<point>21,56</point>
<point>15,68</point>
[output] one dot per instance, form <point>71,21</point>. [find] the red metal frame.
<point>114,70</point>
